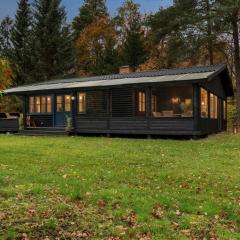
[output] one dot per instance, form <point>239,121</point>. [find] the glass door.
<point>63,109</point>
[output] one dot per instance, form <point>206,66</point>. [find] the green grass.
<point>110,188</point>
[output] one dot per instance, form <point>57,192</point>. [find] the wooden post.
<point>74,111</point>
<point>24,105</point>
<point>196,106</point>
<point>109,108</point>
<point>148,106</point>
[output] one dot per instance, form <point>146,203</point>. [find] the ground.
<point>111,188</point>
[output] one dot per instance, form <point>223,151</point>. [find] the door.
<point>63,109</point>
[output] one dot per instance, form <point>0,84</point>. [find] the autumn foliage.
<point>94,46</point>
<point>6,74</point>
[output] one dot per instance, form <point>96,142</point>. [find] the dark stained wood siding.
<point>42,120</point>
<point>208,126</point>
<point>91,123</point>
<point>215,86</point>
<point>128,123</point>
<point>122,102</point>
<point>169,124</point>
<point>9,125</point>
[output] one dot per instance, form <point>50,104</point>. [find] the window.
<point>43,104</point>
<point>49,104</point>
<point>82,102</point>
<point>154,103</point>
<point>38,104</point>
<point>59,104</point>
<point>213,106</point>
<point>204,103</point>
<point>224,110</point>
<point>172,101</point>
<point>31,104</point>
<point>67,103</point>
<point>141,101</point>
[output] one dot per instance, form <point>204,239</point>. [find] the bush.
<point>232,113</point>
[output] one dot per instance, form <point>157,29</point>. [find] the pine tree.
<point>129,21</point>
<point>52,37</point>
<point>21,41</point>
<point>90,11</point>
<point>5,37</point>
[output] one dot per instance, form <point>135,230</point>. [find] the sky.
<point>8,7</point>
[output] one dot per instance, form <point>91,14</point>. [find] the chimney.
<point>125,69</point>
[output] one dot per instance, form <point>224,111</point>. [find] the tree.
<point>193,34</point>
<point>21,41</point>
<point>53,54</point>
<point>90,11</point>
<point>6,74</point>
<point>96,54</point>
<point>5,36</point>
<point>131,35</point>
<point>229,14</point>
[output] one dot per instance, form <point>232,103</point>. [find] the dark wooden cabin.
<point>185,101</point>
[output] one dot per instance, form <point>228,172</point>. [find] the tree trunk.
<point>209,33</point>
<point>235,29</point>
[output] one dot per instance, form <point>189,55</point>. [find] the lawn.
<point>111,188</point>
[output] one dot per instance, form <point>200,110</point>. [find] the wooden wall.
<point>9,125</point>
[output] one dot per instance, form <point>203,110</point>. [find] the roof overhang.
<point>110,83</point>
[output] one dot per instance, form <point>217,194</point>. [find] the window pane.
<point>38,105</point>
<point>49,104</point>
<point>82,102</point>
<point>172,101</point>
<point>141,102</point>
<point>59,104</point>
<point>204,103</point>
<point>216,106</point>
<point>67,103</point>
<point>43,104</point>
<point>31,104</point>
<point>154,103</point>
<point>213,106</point>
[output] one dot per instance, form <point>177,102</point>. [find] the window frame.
<point>208,103</point>
<point>84,102</point>
<point>173,117</point>
<point>40,96</point>
<point>67,105</point>
<point>215,115</point>
<point>141,102</point>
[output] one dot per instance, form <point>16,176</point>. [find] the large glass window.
<point>31,104</point>
<point>82,102</point>
<point>43,104</point>
<point>213,106</point>
<point>67,103</point>
<point>172,101</point>
<point>154,103</point>
<point>204,103</point>
<point>40,104</point>
<point>141,102</point>
<point>49,104</point>
<point>93,103</point>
